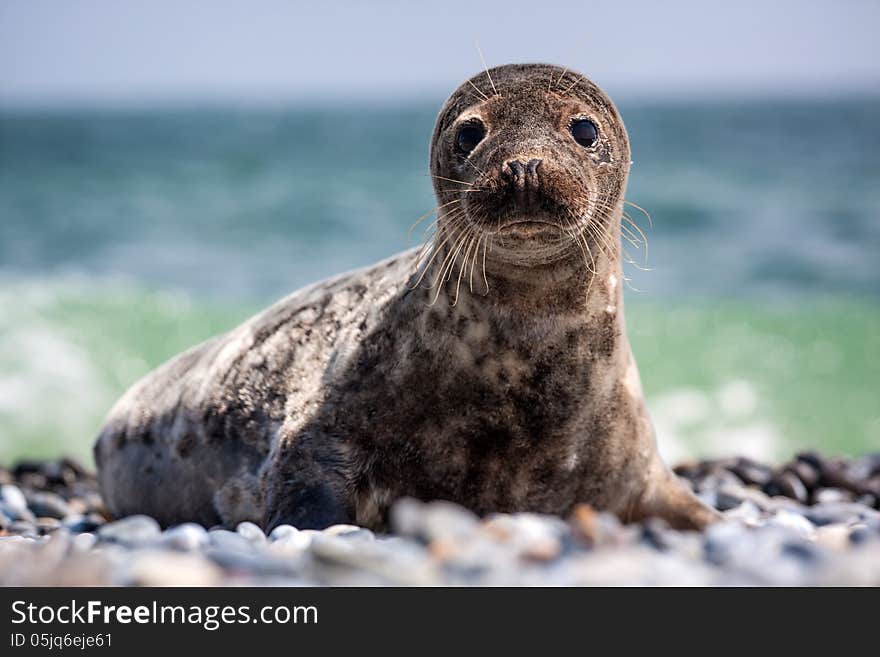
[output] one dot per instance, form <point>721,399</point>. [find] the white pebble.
<point>281,531</point>
<point>792,521</point>
<point>84,542</point>
<point>187,537</point>
<point>12,497</point>
<point>251,532</point>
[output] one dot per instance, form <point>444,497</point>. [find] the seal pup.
<point>490,368</point>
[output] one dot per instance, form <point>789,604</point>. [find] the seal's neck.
<point>564,307</point>
<point>577,279</point>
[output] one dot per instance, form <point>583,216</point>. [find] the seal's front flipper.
<point>305,483</point>
<point>309,506</point>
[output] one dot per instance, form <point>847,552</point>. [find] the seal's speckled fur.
<point>519,393</point>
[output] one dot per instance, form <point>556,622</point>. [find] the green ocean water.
<point>126,237</point>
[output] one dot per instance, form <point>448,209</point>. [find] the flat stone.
<point>48,505</point>
<point>747,512</point>
<point>833,537</point>
<point>831,495</point>
<point>84,542</point>
<point>47,525</point>
<point>433,520</point>
<point>718,479</point>
<point>132,531</point>
<point>250,562</point>
<point>754,495</point>
<point>251,532</point>
<point>226,540</point>
<point>281,531</point>
<point>792,521</point>
<point>13,499</point>
<point>721,538</point>
<point>870,499</point>
<point>787,484</point>
<point>24,528</point>
<point>726,499</point>
<point>751,473</point>
<point>290,543</point>
<point>348,531</point>
<point>80,523</point>
<point>186,537</point>
<point>170,569</point>
<point>839,512</point>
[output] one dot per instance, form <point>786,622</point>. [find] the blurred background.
<point>169,168</point>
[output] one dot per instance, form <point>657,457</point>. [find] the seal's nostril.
<point>516,168</point>
<point>520,171</point>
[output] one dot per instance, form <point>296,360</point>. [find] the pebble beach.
<point>812,521</point>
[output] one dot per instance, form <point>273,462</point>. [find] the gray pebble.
<point>152,568</point>
<point>428,521</point>
<point>25,532</point>
<point>13,499</point>
<point>861,534</point>
<point>48,505</point>
<point>708,497</point>
<point>93,502</point>
<point>333,548</point>
<point>291,543</point>
<point>747,511</point>
<point>792,521</point>
<point>16,539</point>
<point>79,523</point>
<point>833,537</point>
<point>225,540</point>
<point>132,531</point>
<point>740,492</point>
<point>726,499</point>
<point>47,525</point>
<point>830,495</point>
<point>186,537</point>
<point>720,539</point>
<point>240,562</point>
<point>349,532</point>
<point>251,532</point>
<point>282,531</point>
<point>839,512</point>
<point>355,554</point>
<point>719,479</point>
<point>869,499</point>
<point>84,542</point>
<point>752,473</point>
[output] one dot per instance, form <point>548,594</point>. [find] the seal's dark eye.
<point>584,132</point>
<point>469,135</point>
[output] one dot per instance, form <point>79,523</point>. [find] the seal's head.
<point>535,156</point>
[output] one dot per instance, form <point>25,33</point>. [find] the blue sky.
<point>104,51</point>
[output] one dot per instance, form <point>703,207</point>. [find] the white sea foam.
<point>50,389</point>
<point>722,422</point>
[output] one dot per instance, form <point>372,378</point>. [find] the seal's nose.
<point>524,175</point>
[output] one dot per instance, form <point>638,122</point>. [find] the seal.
<point>490,368</point>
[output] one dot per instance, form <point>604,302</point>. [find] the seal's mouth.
<point>504,210</point>
<point>528,227</point>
